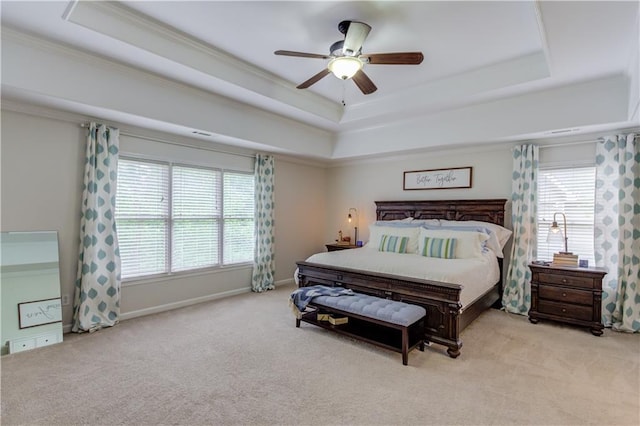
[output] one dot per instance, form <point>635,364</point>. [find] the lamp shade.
<point>556,233</point>
<point>345,67</point>
<point>555,236</point>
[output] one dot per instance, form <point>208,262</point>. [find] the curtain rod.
<point>555,145</point>
<point>600,139</point>
<point>186,145</point>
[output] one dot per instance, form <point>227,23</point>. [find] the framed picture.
<point>39,312</point>
<point>457,177</point>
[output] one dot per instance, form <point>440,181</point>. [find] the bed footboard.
<point>441,300</point>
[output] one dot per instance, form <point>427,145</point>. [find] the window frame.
<point>571,222</point>
<point>166,220</point>
<point>169,225</point>
<point>223,219</point>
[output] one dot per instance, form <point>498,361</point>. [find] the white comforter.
<point>476,275</point>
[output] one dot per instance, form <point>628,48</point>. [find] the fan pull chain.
<point>344,89</point>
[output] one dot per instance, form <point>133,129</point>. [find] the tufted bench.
<point>394,325</point>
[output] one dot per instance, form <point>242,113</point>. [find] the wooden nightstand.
<point>336,247</point>
<point>566,294</point>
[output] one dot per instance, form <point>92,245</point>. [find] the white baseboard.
<point>284,282</point>
<point>184,303</point>
<point>181,304</point>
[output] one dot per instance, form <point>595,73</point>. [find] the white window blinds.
<point>238,217</point>
<point>196,209</point>
<point>570,191</point>
<point>173,218</point>
<point>142,217</point>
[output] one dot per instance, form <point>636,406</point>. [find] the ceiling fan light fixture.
<point>345,67</point>
<point>346,60</point>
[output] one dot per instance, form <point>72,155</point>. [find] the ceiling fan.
<point>346,59</point>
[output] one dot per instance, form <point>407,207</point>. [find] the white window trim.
<point>220,266</point>
<point>563,166</point>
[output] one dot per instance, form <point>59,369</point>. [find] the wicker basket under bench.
<point>386,323</point>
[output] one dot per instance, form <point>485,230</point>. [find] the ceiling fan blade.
<point>314,79</point>
<point>300,54</point>
<point>364,83</point>
<point>399,58</point>
<point>356,34</point>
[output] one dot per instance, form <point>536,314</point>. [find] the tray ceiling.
<point>475,52</point>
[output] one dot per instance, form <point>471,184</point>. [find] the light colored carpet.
<point>242,361</point>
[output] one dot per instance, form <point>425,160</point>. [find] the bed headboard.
<point>491,210</point>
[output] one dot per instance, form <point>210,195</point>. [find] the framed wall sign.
<point>39,312</point>
<point>457,177</point>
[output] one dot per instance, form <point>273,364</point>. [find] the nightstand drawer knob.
<point>564,294</point>
<point>564,310</point>
<point>564,281</point>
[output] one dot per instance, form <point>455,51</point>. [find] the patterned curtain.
<point>517,291</point>
<point>97,295</point>
<point>617,231</point>
<point>264,267</point>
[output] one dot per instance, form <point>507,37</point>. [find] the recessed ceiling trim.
<point>122,23</point>
<point>61,75</point>
<point>451,92</point>
<point>543,34</point>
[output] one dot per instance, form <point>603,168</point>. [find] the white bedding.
<point>476,275</point>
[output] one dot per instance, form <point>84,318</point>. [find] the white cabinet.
<point>26,343</point>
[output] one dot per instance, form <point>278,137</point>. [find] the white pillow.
<point>377,231</point>
<point>501,232</point>
<point>468,244</point>
<point>492,242</point>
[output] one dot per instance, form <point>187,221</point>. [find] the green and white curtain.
<point>264,267</point>
<point>516,297</point>
<point>97,293</point>
<point>617,230</point>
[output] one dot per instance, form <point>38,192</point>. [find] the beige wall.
<point>302,205</point>
<point>360,184</point>
<point>41,184</point>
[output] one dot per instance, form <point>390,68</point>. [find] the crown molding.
<point>119,22</point>
<point>543,35</point>
<point>452,92</point>
<point>78,120</point>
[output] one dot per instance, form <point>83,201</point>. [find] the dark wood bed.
<point>445,318</point>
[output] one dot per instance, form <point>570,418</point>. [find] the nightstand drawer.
<point>566,310</point>
<point>560,294</point>
<point>570,295</point>
<point>585,282</point>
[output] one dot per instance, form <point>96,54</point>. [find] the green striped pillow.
<point>393,243</point>
<point>444,248</point>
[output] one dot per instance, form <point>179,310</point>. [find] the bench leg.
<point>405,346</point>
<point>298,322</point>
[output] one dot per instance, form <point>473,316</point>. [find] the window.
<point>142,217</point>
<point>174,218</point>
<point>238,215</point>
<point>570,191</point>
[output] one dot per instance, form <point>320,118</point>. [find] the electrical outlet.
<point>65,299</point>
